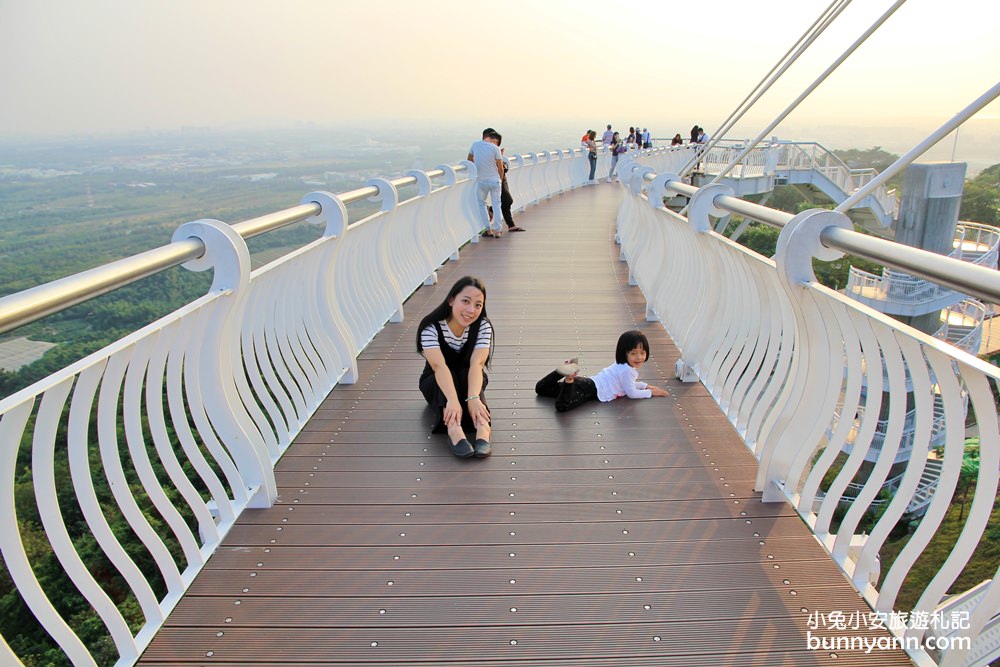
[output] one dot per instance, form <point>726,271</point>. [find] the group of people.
<point>456,340</point>
<point>491,182</point>
<point>616,146</point>
<point>637,139</point>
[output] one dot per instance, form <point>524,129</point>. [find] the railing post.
<point>801,399</point>
<point>450,179</point>
<point>636,183</point>
<point>390,200</point>
<point>424,189</point>
<point>333,215</point>
<point>701,206</point>
<point>472,203</point>
<point>227,253</point>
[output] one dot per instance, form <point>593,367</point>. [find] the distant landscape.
<point>67,205</point>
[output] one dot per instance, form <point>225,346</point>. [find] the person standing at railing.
<point>647,142</point>
<point>485,154</point>
<point>676,141</point>
<point>456,339</point>
<point>617,149</point>
<point>592,155</point>
<point>506,199</point>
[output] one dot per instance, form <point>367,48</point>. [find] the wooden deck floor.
<point>620,534</point>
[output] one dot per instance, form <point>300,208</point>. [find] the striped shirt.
<point>429,337</point>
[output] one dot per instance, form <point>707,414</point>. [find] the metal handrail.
<point>33,304</point>
<point>970,279</point>
<point>37,302</point>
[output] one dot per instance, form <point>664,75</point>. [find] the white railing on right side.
<point>770,343</point>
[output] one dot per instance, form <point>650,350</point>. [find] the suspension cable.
<point>805,40</point>
<point>815,84</point>
<point>920,148</point>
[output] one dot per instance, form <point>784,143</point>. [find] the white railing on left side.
<point>186,417</point>
<point>783,356</point>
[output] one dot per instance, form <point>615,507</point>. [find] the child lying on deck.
<point>619,379</point>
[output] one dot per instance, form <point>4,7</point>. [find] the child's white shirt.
<point>620,380</point>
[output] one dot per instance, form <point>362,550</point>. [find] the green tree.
<point>981,198</point>
<point>969,473</point>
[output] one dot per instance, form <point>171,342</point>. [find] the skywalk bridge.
<point>813,168</point>
<point>268,447</point>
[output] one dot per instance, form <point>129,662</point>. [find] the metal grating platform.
<point>620,534</point>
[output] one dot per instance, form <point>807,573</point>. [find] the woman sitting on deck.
<point>618,379</point>
<point>456,339</point>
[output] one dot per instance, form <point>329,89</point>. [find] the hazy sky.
<point>70,66</point>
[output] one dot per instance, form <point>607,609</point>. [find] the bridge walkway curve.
<point>622,533</point>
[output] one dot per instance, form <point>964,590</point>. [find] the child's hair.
<point>627,342</point>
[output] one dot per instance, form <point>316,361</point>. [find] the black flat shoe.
<point>463,449</point>
<point>483,448</point>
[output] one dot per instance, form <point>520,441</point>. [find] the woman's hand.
<point>453,413</point>
<point>479,412</point>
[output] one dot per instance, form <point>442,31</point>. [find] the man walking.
<point>486,156</point>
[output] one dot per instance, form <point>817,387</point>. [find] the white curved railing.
<point>783,157</point>
<point>187,416</point>
<point>755,164</point>
<point>974,243</point>
<point>769,343</point>
<point>811,156</point>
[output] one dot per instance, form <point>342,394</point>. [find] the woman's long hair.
<point>443,311</point>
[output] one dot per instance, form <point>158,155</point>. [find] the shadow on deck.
<point>620,534</point>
